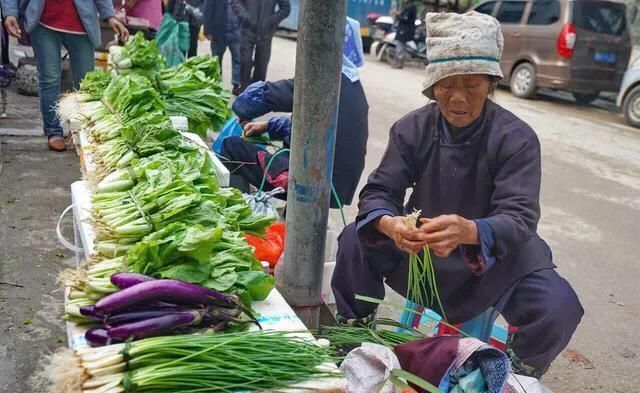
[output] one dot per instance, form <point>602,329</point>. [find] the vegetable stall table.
<point>274,314</point>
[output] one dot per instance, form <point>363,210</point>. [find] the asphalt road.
<point>590,216</point>
<point>590,211</point>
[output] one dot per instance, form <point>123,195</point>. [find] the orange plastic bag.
<point>270,247</point>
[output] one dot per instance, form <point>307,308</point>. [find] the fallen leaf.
<point>576,357</point>
<point>27,322</point>
<point>60,255</point>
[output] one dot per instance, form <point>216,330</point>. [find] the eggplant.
<point>90,312</point>
<point>155,326</point>
<point>164,290</point>
<point>98,337</point>
<point>134,316</point>
<point>126,280</point>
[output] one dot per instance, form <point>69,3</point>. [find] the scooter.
<point>385,50</point>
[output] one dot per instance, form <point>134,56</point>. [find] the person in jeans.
<point>406,29</point>
<point>50,25</point>
<point>222,28</point>
<point>259,20</point>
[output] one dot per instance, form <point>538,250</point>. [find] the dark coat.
<point>220,22</point>
<point>259,18</point>
<point>495,175</point>
<point>189,11</point>
<point>406,28</point>
<point>352,130</point>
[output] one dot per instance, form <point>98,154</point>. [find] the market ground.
<point>590,216</point>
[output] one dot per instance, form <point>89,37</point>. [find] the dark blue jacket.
<point>351,134</point>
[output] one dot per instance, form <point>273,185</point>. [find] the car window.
<point>600,17</point>
<point>486,8</point>
<point>545,12</point>
<point>511,11</point>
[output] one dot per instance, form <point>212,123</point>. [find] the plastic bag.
<point>172,40</point>
<point>368,367</point>
<point>231,128</point>
<point>269,248</point>
<point>260,202</point>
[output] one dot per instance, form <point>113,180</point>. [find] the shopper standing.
<point>259,20</point>
<point>222,28</point>
<point>52,24</point>
<point>406,30</point>
<point>189,11</point>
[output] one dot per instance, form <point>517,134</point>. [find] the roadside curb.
<point>21,132</point>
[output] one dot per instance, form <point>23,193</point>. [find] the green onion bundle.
<point>246,361</point>
<point>421,270</point>
<point>355,336</point>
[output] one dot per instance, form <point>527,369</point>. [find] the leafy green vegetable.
<point>94,84</point>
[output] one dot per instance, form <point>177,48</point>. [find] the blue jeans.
<point>234,48</point>
<point>47,45</point>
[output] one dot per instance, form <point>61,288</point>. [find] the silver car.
<point>629,97</point>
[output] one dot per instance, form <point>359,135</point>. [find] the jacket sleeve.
<point>284,9</point>
<point>241,13</point>
<point>388,183</point>
<point>105,9</point>
<point>9,8</point>
<point>213,16</point>
<point>279,127</point>
<point>515,206</point>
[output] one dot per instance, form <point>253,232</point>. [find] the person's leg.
<point>263,55</point>
<point>234,48</point>
<point>218,51</point>
<point>246,61</point>
<point>361,269</point>
<point>5,44</point>
<point>46,47</point>
<point>81,56</point>
<point>401,54</point>
<point>546,311</point>
<point>193,40</point>
<point>249,161</point>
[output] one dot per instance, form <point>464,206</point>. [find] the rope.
<point>333,189</point>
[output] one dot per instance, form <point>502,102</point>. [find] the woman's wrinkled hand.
<point>255,128</point>
<point>410,240</point>
<point>445,233</point>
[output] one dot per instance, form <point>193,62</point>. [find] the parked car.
<point>629,97</point>
<point>581,46</point>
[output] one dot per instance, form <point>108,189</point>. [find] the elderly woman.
<point>474,170</point>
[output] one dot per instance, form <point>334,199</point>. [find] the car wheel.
<point>585,98</point>
<point>523,81</point>
<point>631,107</point>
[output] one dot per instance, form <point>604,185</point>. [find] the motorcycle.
<point>385,44</point>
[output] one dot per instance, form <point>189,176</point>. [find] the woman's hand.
<point>257,128</point>
<point>443,234</point>
<point>12,26</point>
<point>119,29</point>
<point>407,239</point>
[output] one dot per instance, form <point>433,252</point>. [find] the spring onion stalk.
<point>355,336</point>
<point>246,361</point>
<point>421,270</point>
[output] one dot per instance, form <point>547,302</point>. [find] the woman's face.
<point>462,97</point>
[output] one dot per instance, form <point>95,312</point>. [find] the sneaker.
<point>56,143</point>
<point>236,91</point>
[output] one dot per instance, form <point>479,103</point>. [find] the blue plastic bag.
<point>231,128</point>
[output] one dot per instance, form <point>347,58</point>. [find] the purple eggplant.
<point>90,312</point>
<point>166,291</point>
<point>98,337</point>
<point>155,326</point>
<point>134,316</point>
<point>125,280</point>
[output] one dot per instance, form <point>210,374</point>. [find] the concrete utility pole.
<point>315,110</point>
